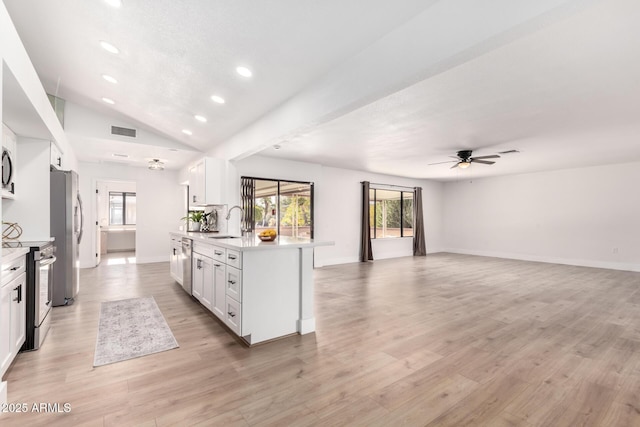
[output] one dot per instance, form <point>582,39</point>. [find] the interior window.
<point>122,208</point>
<point>286,206</point>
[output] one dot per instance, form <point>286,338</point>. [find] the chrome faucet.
<point>229,212</point>
<point>243,230</point>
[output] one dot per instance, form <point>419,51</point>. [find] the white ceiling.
<point>566,93</point>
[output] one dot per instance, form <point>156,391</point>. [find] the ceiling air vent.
<point>116,130</point>
<point>508,152</point>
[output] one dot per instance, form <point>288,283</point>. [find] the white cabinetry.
<point>175,259</point>
<point>219,291</point>
<point>260,291</point>
<point>56,157</point>
<point>12,311</point>
<point>203,275</point>
<point>207,182</point>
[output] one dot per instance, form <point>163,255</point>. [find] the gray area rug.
<point>131,328</point>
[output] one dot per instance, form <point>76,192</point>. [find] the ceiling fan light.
<point>464,165</point>
<point>156,165</point>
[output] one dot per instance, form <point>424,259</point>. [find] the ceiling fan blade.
<point>493,156</point>
<point>484,162</point>
<point>455,157</point>
<point>455,166</point>
<point>439,163</point>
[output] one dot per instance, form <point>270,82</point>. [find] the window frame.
<point>124,195</point>
<point>293,181</point>
<point>373,201</point>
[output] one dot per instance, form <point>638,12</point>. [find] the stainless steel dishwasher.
<point>186,264</point>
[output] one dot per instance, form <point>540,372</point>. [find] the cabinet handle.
<point>199,264</point>
<point>19,297</point>
<point>217,252</point>
<point>217,265</point>
<point>15,268</point>
<point>194,198</point>
<point>174,251</point>
<point>231,314</point>
<point>233,282</point>
<point>60,161</point>
<point>232,257</point>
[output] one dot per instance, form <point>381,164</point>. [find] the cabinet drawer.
<point>234,258</point>
<point>219,254</point>
<point>203,249</point>
<point>233,283</point>
<point>233,315</point>
<point>11,270</point>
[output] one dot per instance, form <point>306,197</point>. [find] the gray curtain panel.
<point>366,254</point>
<point>419,246</point>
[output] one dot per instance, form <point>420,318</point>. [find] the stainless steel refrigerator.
<point>66,226</point>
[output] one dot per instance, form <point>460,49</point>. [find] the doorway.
<point>116,207</point>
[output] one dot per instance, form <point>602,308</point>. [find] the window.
<point>122,208</point>
<point>286,206</point>
<point>390,213</point>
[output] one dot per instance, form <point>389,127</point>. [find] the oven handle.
<point>48,261</point>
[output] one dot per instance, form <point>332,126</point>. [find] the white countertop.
<point>252,242</point>
<point>9,254</point>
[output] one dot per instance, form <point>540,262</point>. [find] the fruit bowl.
<point>267,238</point>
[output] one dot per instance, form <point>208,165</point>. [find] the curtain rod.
<point>391,185</point>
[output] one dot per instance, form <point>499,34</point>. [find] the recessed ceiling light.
<point>109,47</point>
<point>218,99</point>
<point>109,78</point>
<point>244,71</point>
<point>114,3</point>
<point>108,101</point>
<point>187,132</point>
<point>201,118</point>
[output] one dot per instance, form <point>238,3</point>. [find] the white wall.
<point>337,207</point>
<point>586,216</point>
<point>160,205</point>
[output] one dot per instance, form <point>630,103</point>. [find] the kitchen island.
<point>260,290</point>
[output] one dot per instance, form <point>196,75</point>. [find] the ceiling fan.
<point>464,159</point>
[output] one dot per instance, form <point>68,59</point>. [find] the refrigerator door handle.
<point>81,226</point>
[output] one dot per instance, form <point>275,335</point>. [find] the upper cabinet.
<point>56,157</point>
<point>9,151</point>
<point>207,182</point>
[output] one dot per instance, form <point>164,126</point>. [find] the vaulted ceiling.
<point>387,87</point>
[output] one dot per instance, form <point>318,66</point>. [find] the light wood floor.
<point>448,340</point>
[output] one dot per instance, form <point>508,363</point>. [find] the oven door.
<point>43,288</point>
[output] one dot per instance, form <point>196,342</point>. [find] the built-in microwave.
<point>7,171</point>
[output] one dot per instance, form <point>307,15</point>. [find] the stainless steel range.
<point>40,262</point>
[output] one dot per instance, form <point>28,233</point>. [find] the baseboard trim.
<point>151,260</point>
<point>550,260</point>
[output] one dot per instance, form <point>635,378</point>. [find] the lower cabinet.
<point>217,282</point>
<point>233,316</point>
<point>175,260</point>
<point>202,279</point>
<point>12,320</point>
<point>219,294</point>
